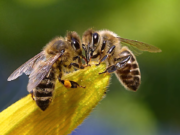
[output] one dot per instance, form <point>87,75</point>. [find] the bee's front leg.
<point>109,52</point>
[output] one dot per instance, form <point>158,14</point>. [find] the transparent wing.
<point>40,70</point>
<point>134,50</point>
<point>25,68</point>
<point>139,45</point>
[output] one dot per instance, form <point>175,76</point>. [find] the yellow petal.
<point>67,110</point>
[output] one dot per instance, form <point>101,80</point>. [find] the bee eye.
<point>75,44</point>
<point>95,38</point>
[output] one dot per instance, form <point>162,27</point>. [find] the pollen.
<point>67,84</point>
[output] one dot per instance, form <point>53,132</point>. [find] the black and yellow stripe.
<point>44,91</point>
<point>129,75</point>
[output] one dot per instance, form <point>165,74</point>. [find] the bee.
<point>106,46</point>
<point>58,56</point>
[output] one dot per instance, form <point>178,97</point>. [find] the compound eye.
<point>75,44</point>
<point>95,38</point>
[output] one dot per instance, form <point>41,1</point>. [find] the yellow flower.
<point>68,109</point>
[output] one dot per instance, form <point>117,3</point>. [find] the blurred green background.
<point>26,26</point>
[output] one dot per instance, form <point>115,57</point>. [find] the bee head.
<point>91,41</point>
<point>56,46</point>
<point>74,39</point>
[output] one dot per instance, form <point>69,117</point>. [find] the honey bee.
<point>58,56</point>
<point>106,46</point>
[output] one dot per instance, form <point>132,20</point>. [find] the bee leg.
<point>95,56</point>
<point>100,52</point>
<point>106,56</point>
<point>76,65</point>
<point>32,94</point>
<point>110,69</point>
<point>102,48</point>
<point>75,58</point>
<point>118,65</point>
<point>79,65</point>
<point>69,84</point>
<point>122,58</point>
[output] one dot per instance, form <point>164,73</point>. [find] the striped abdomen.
<point>44,91</point>
<point>129,76</point>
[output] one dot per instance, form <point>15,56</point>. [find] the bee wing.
<point>25,68</point>
<point>40,70</point>
<point>139,45</point>
<point>134,49</point>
